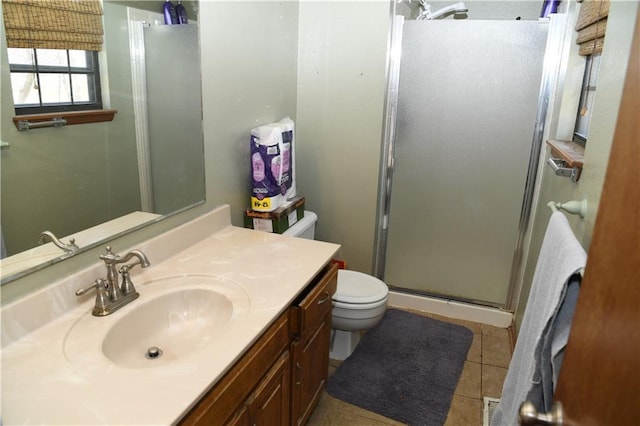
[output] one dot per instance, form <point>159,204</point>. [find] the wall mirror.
<point>94,182</point>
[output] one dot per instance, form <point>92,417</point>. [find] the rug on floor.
<point>405,368</point>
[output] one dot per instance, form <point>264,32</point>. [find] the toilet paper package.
<point>272,165</point>
<point>287,126</point>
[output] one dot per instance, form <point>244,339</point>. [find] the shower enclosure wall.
<point>458,155</point>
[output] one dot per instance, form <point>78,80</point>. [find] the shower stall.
<point>459,158</point>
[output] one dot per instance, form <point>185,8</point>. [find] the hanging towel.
<point>545,325</point>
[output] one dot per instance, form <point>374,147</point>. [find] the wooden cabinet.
<point>270,403</point>
<point>280,378</point>
<point>312,318</point>
<point>229,401</point>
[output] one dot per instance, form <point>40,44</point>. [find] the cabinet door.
<point>270,403</point>
<point>241,417</point>
<point>224,403</point>
<point>310,370</point>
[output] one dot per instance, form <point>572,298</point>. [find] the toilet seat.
<point>360,306</point>
<point>359,291</point>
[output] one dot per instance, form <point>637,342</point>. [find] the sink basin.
<point>173,318</point>
<point>177,323</point>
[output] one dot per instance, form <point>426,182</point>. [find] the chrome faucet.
<point>111,295</point>
<point>67,248</point>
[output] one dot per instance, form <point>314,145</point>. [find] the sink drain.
<point>153,353</point>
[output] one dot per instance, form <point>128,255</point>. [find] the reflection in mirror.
<point>96,181</point>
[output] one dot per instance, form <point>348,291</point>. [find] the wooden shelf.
<point>570,152</point>
<point>71,117</point>
<point>566,159</point>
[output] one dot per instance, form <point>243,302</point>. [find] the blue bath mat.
<point>406,368</point>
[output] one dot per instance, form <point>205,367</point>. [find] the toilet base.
<point>343,343</point>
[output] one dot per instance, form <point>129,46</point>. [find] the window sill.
<point>70,118</point>
<point>566,159</point>
<point>568,151</point>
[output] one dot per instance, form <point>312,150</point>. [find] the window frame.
<point>92,71</point>
<point>587,93</point>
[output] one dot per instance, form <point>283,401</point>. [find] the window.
<point>53,80</point>
<point>587,94</point>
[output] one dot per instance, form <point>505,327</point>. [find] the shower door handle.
<point>529,416</point>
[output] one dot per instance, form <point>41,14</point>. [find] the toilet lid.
<point>356,287</point>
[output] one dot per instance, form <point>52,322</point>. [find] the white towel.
<point>561,256</point>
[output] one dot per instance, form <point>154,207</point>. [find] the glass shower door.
<point>174,109</point>
<point>467,102</point>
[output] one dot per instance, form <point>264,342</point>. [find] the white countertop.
<point>43,384</point>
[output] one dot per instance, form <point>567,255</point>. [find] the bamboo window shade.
<point>591,26</point>
<point>53,24</point>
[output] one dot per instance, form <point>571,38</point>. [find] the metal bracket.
<point>26,124</point>
<point>558,166</point>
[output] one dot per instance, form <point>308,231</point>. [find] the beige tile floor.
<point>483,374</point>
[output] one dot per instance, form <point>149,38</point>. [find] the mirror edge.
<point>28,283</point>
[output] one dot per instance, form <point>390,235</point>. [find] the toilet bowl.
<point>359,303</point>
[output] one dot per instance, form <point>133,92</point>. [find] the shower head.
<point>454,8</point>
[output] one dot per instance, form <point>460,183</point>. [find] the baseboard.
<point>451,309</point>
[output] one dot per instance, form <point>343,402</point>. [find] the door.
<point>467,103</point>
<point>599,383</point>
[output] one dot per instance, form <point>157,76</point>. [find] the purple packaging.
<point>289,155</point>
<point>272,165</point>
<point>267,192</point>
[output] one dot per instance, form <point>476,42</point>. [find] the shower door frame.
<point>551,64</point>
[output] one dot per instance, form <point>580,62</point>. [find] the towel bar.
<point>558,167</point>
<point>26,124</point>
<point>572,207</point>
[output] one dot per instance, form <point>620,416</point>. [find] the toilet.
<point>359,303</point>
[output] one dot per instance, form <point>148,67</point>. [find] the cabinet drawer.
<point>316,300</point>
<point>225,398</point>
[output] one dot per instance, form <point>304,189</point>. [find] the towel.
<point>545,326</point>
<point>550,354</point>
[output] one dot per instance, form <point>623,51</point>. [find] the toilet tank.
<point>305,227</point>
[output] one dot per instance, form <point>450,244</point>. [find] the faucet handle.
<point>109,257</point>
<point>127,286</point>
<point>72,245</point>
<point>102,300</point>
<point>85,290</point>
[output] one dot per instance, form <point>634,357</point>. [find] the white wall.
<point>248,79</point>
<point>341,87</point>
<point>615,56</point>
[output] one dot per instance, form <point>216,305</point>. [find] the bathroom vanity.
<point>280,379</point>
<point>242,317</point>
